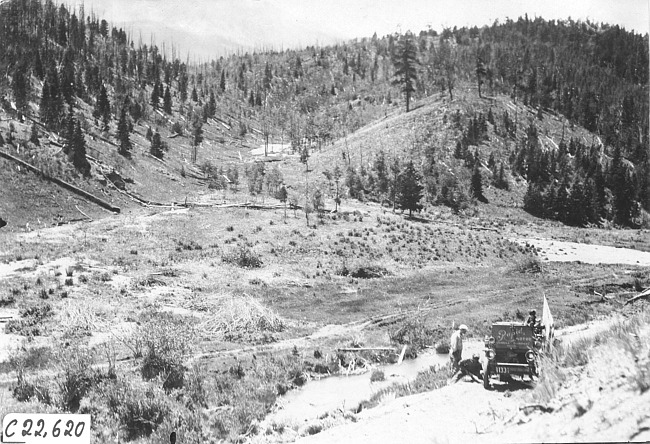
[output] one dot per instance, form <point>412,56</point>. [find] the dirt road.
<point>461,413</point>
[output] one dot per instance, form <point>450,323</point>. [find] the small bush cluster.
<point>31,320</point>
<point>188,246</point>
<point>26,390</point>
<point>377,375</point>
<point>529,265</point>
<point>416,334</point>
<point>362,271</point>
<point>164,341</point>
<point>138,407</point>
<point>243,256</point>
<point>78,377</point>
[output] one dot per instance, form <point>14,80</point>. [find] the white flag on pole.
<point>547,319</point>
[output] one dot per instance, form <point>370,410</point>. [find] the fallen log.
<point>86,195</point>
<point>355,349</point>
<point>644,295</point>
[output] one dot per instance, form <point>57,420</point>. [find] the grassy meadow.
<point>197,319</point>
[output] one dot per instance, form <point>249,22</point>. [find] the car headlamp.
<point>530,356</point>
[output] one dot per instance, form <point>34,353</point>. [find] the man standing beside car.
<point>456,346</point>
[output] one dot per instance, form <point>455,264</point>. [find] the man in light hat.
<point>456,347</point>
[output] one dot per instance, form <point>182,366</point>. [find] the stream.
<point>318,397</point>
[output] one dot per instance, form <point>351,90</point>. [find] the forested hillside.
<point>78,81</point>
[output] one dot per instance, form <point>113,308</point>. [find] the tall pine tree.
<point>410,189</point>
<point>103,108</point>
<point>78,153</point>
<point>405,62</point>
<point>167,101</point>
<point>123,133</point>
<point>476,185</point>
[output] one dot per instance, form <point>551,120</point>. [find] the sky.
<point>208,28</point>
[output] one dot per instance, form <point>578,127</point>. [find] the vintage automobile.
<point>512,349</point>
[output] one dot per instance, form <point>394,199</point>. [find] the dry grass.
<point>431,379</point>
<point>622,351</point>
<point>234,317</point>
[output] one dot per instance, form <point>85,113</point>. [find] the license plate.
<point>32,428</point>
<point>502,370</point>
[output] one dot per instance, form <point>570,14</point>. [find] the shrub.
<point>414,333</point>
<point>442,347</point>
<point>7,300</point>
<point>177,128</point>
<point>529,265</point>
<point>377,375</point>
<point>24,390</point>
<point>31,319</point>
<point>139,407</point>
<point>78,377</point>
<point>33,358</point>
<point>243,256</point>
<point>165,340</point>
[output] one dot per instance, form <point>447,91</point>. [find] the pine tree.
<point>579,206</point>
<point>167,101</point>
<point>20,85</point>
<point>182,85</point>
<point>268,76</point>
<point>69,123</point>
<point>380,167</point>
<point>476,186</point>
<point>622,188</point>
<point>533,201</point>
<point>123,133</point>
<point>195,96</point>
<point>410,189</point>
<point>39,72</point>
<point>155,95</point>
<point>33,137</point>
<point>45,108</point>
<point>405,66</point>
<point>79,151</point>
<point>197,131</point>
<point>103,108</point>
<point>156,149</point>
<point>480,73</point>
<point>212,104</point>
<point>222,82</point>
<point>501,181</point>
<point>67,76</point>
